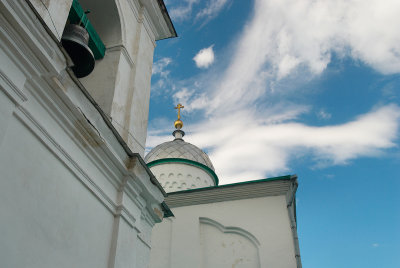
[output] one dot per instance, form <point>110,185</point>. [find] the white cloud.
<point>159,67</point>
<point>287,41</point>
<point>242,148</point>
<point>205,57</point>
<point>183,11</point>
<point>322,114</point>
<point>160,74</point>
<point>211,10</point>
<point>286,38</point>
<point>375,245</point>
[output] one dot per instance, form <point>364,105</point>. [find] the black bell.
<point>75,41</point>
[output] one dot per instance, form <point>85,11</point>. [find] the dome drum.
<point>180,176</point>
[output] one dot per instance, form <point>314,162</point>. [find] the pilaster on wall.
<point>126,91</point>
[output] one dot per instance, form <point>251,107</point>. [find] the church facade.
<point>249,224</point>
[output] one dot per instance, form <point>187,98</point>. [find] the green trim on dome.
<point>185,161</point>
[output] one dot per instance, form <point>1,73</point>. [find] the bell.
<point>75,41</point>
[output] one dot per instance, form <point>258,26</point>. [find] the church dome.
<point>179,165</point>
<point>178,148</point>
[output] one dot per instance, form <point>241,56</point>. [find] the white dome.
<point>178,148</point>
<point>179,165</point>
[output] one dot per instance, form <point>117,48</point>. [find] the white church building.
<point>75,190</point>
<point>248,224</point>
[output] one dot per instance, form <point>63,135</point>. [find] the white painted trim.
<point>11,89</point>
<point>156,17</point>
<point>135,7</point>
<point>138,9</point>
<point>163,26</point>
<point>149,26</point>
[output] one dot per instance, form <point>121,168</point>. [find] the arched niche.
<point>227,246</point>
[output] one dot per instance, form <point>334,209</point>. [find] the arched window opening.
<point>103,26</point>
<point>81,41</point>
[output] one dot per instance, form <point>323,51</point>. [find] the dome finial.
<point>178,123</point>
<point>178,133</point>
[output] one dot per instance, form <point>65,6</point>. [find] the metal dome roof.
<point>178,148</point>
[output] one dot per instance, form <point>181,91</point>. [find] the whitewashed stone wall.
<point>70,194</point>
<point>238,233</point>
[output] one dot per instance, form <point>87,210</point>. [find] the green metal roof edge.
<point>165,13</point>
<point>185,161</point>
<point>167,211</point>
<point>286,177</point>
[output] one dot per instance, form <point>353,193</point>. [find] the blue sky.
<point>295,87</point>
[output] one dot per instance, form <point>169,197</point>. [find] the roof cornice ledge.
<point>245,190</point>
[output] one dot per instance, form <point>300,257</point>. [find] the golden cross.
<point>179,107</point>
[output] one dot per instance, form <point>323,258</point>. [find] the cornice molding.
<point>124,52</point>
<point>159,18</point>
<point>237,191</point>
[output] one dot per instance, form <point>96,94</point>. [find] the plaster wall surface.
<point>47,214</point>
<point>102,82</point>
<point>226,234</point>
<point>178,177</point>
<point>70,194</point>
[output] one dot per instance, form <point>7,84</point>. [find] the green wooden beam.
<point>77,15</point>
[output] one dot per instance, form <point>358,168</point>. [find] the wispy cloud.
<point>205,57</point>
<point>159,67</point>
<point>285,39</point>
<point>183,11</point>
<point>242,148</point>
<point>161,72</point>
<point>212,9</point>
<point>322,114</point>
<point>284,42</point>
